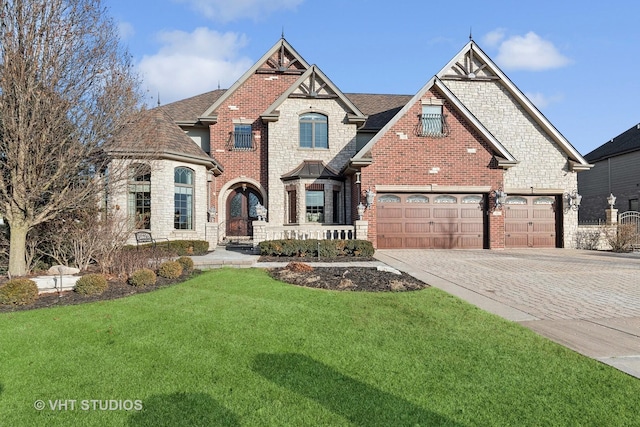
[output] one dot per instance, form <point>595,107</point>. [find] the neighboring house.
<point>427,166</point>
<point>616,171</point>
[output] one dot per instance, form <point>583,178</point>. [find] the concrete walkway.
<point>587,301</point>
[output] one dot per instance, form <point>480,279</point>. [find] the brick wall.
<point>462,158</point>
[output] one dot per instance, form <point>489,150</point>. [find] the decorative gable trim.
<point>501,153</point>
<point>314,84</point>
<point>478,66</point>
<point>282,48</point>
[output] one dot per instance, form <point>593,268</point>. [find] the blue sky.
<point>577,61</point>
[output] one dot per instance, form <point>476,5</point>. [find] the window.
<point>183,199</point>
<point>242,138</point>
<point>417,199</point>
<point>432,121</point>
<point>315,206</point>
<point>388,198</point>
<point>633,205</point>
<point>313,131</point>
<point>516,201</point>
<point>139,198</point>
<point>445,199</point>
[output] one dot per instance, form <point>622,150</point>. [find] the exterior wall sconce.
<point>361,208</point>
<point>370,196</point>
<point>358,178</point>
<point>572,200</point>
<point>499,198</point>
<point>261,212</point>
<point>611,200</point>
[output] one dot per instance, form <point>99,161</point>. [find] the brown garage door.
<point>442,221</point>
<point>530,222</point>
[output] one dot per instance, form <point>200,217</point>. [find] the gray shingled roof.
<point>312,169</point>
<point>626,142</point>
<point>154,132</point>
<point>190,109</point>
<point>378,107</point>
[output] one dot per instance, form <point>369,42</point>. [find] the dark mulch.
<point>367,279</point>
<point>117,289</point>
<point>265,258</point>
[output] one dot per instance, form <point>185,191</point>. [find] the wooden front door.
<point>241,211</point>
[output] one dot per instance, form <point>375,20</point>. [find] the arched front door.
<point>241,211</point>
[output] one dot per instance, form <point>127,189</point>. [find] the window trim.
<point>307,118</point>
<point>139,183</point>
<point>190,201</point>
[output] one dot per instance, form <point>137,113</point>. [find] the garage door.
<point>440,221</point>
<point>530,222</point>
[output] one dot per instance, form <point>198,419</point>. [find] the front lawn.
<point>235,347</point>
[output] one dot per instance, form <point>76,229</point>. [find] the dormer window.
<point>313,131</point>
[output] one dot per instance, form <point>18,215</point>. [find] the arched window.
<point>183,199</point>
<point>313,131</point>
<point>139,198</point>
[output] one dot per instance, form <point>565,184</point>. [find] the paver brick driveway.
<point>586,300</point>
<point>545,283</point>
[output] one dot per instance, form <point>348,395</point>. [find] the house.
<point>466,162</point>
<point>616,171</point>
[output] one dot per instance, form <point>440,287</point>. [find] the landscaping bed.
<point>368,279</point>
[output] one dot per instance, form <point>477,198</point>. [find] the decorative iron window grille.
<point>433,125</point>
<point>241,139</point>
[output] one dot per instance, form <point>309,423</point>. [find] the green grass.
<point>234,347</point>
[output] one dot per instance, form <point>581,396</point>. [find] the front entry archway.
<point>241,211</point>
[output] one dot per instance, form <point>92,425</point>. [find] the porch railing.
<point>301,232</point>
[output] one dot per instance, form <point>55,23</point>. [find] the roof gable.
<point>505,158</point>
<point>477,66</point>
<point>315,84</point>
<point>281,58</point>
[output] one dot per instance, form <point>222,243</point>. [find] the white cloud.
<point>493,38</point>
<point>189,64</point>
<point>230,10</point>
<point>541,100</point>
<point>125,30</point>
<point>529,52</point>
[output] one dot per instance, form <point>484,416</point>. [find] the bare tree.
<point>66,86</point>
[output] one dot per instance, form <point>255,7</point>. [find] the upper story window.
<point>313,131</point>
<point>183,199</point>
<point>241,139</point>
<point>432,120</point>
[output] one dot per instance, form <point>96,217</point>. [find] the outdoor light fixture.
<point>357,177</point>
<point>212,211</point>
<point>499,198</point>
<point>360,211</point>
<point>573,200</point>
<point>370,195</point>
<point>611,200</point>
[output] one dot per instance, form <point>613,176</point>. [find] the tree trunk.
<point>18,249</point>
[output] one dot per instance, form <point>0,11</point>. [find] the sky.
<point>575,60</point>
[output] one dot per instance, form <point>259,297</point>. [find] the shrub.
<point>186,263</point>
<point>313,248</point>
<point>188,247</point>
<point>143,277</point>
<point>18,292</point>
<point>91,284</point>
<point>170,270</point>
<point>621,237</point>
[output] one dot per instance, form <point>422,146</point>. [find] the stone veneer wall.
<point>543,165</point>
<point>162,201</point>
<point>285,153</point>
